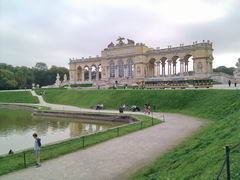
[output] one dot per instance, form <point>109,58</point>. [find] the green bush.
<point>81,85</point>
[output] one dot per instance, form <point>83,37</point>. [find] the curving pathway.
<point>115,159</point>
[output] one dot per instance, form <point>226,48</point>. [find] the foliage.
<point>53,73</point>
<point>198,157</point>
<point>224,69</point>
<point>7,80</point>
<point>17,97</point>
<point>40,66</point>
<point>23,77</point>
<point>81,85</point>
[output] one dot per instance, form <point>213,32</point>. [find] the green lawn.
<point>200,156</point>
<point>17,97</point>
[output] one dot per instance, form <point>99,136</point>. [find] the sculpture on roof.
<point>130,41</point>
<point>111,45</point>
<point>236,73</point>
<point>238,63</point>
<point>120,41</point>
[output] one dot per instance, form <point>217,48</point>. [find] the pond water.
<point>17,127</point>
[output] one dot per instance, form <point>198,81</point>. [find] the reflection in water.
<point>17,127</point>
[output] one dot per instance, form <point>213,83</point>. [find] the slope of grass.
<point>17,97</point>
<point>198,157</point>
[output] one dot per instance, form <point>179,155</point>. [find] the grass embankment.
<point>17,97</point>
<point>14,162</point>
<point>198,157</point>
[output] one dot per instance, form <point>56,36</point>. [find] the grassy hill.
<point>17,97</point>
<point>198,157</point>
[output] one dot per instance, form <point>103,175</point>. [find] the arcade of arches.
<point>130,61</point>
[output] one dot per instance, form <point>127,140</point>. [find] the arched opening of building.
<point>86,73</point>
<point>130,68</point>
<point>151,67</point>
<point>188,65</point>
<point>112,69</point>
<point>175,64</point>
<point>120,69</point>
<point>93,70</point>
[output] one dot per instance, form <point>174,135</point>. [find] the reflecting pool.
<point>17,127</point>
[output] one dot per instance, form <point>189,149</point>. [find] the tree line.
<point>21,77</point>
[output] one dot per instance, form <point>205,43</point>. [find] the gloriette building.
<point>127,62</point>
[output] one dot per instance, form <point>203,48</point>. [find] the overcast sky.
<point>52,31</point>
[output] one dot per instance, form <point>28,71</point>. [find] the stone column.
<point>169,68</point>
<point>158,69</point>
<point>134,70</point>
<point>90,75</point>
<point>174,67</point>
<point>83,78</point>
<point>97,74</point>
<point>209,65</point>
<point>124,70</point>
<point>181,66</point>
<point>116,71</point>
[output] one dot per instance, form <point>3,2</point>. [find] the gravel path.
<point>117,158</point>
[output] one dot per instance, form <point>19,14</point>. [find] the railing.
<point>230,169</point>
<point>26,158</point>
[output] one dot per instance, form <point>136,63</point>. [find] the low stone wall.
<point>101,117</point>
<point>78,115</point>
<point>18,107</point>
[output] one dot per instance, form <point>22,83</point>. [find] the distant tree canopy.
<point>23,77</point>
<point>41,66</point>
<point>224,69</point>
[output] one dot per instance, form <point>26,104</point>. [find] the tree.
<point>41,66</point>
<point>24,77</point>
<point>53,73</point>
<point>7,67</point>
<point>7,80</point>
<point>41,77</point>
<point>224,69</point>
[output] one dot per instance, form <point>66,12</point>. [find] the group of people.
<point>230,82</point>
<point>135,108</point>
<point>99,107</point>
<point>42,93</point>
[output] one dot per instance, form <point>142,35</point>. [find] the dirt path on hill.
<point>115,159</point>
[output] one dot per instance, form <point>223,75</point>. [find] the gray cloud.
<point>51,32</point>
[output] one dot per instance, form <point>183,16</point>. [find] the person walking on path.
<point>235,83</point>
<point>37,148</point>
<point>229,82</point>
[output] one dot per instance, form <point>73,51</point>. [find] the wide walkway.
<point>117,158</point>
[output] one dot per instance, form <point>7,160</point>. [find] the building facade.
<point>127,62</point>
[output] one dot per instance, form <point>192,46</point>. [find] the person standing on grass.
<point>37,148</point>
<point>229,82</point>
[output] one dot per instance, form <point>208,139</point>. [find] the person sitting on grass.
<point>37,148</point>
